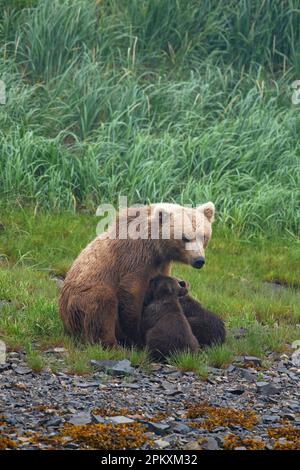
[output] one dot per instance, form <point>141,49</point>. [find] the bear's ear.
<point>208,210</point>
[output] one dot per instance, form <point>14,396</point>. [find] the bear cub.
<point>208,328</point>
<point>164,327</point>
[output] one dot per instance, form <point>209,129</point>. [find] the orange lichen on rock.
<point>107,436</point>
<point>158,417</point>
<point>221,416</point>
<point>7,443</point>
<point>233,441</point>
<point>287,438</point>
<point>104,412</point>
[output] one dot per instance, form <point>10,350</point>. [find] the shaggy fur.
<point>103,293</point>
<point>208,328</point>
<point>164,327</point>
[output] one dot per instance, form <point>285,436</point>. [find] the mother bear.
<point>103,293</point>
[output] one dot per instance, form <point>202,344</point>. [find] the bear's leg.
<point>208,328</point>
<point>100,319</point>
<point>131,296</point>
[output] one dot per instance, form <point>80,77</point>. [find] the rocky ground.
<point>243,406</point>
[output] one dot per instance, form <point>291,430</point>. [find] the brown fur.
<point>208,328</point>
<point>164,327</point>
<point>103,293</point>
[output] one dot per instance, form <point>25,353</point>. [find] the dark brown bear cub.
<point>208,328</point>
<point>164,327</point>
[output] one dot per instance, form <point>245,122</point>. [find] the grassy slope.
<point>36,246</point>
<point>155,101</point>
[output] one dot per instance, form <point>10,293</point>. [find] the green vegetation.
<point>155,100</point>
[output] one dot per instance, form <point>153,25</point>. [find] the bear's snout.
<point>198,263</point>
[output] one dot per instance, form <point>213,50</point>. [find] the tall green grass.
<point>158,100</point>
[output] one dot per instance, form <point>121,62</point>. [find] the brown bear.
<point>208,328</point>
<point>103,293</point>
<point>164,327</point>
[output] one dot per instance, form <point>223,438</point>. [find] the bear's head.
<point>163,287</point>
<point>184,232</point>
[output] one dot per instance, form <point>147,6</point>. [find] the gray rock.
<point>266,388</point>
<point>252,360</point>
<point>247,375</point>
<point>182,428</point>
<point>210,444</point>
<point>58,280</point>
<point>289,416</point>
<point>81,418</point>
<point>4,367</point>
<point>161,444</point>
<point>87,384</point>
<point>55,422</point>
<point>22,370</point>
<point>117,368</point>
<point>157,428</point>
<point>98,419</point>
<point>120,420</point>
<point>270,419</point>
<point>236,390</point>
<point>296,358</point>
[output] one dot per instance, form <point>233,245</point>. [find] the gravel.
<point>41,404</point>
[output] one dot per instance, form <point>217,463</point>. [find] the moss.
<point>221,416</point>
<point>107,436</point>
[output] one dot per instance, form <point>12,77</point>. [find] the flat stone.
<point>120,420</point>
<point>87,384</point>
<point>236,390</point>
<point>266,388</point>
<point>81,418</point>
<point>117,368</point>
<point>22,370</point>
<point>98,419</point>
<point>157,428</point>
